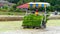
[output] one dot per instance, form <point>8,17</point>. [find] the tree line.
<point>55,4</point>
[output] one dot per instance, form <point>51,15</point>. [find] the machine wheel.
<point>33,27</point>
<point>24,27</point>
<point>43,24</point>
<point>37,27</point>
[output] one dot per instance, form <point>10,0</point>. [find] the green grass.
<point>11,13</point>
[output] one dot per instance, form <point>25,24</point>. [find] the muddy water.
<point>14,27</point>
<point>48,30</point>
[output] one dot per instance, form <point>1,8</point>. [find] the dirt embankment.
<point>11,18</point>
<point>19,18</point>
<point>54,17</point>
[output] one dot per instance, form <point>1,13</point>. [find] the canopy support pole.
<point>45,13</point>
<point>26,12</point>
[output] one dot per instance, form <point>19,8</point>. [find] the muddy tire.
<point>33,27</point>
<point>37,27</point>
<point>24,27</point>
<point>43,24</point>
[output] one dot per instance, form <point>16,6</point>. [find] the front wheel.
<point>43,24</point>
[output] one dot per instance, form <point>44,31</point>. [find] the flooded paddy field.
<point>14,27</point>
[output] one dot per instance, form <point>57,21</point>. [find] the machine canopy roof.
<point>34,4</point>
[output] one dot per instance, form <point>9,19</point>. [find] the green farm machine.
<point>35,20</point>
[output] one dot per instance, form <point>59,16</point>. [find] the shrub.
<point>17,10</point>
